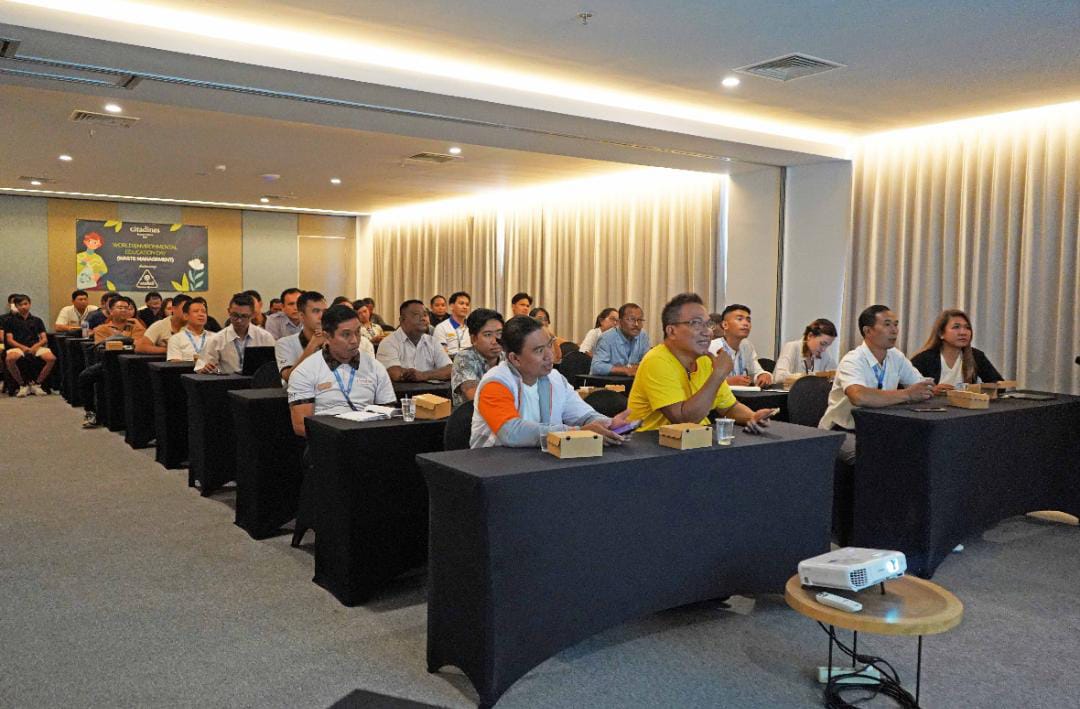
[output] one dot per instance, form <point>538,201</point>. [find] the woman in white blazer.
<point>808,355</point>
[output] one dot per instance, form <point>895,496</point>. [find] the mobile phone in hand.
<point>626,427</point>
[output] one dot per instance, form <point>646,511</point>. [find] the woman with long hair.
<point>948,358</point>
<point>542,316</point>
<point>607,319</point>
<point>810,354</point>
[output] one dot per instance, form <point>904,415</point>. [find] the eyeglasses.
<point>239,316</point>
<point>634,321</point>
<point>695,324</point>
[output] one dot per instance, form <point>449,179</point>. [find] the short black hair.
<point>106,295</point>
<point>272,300</point>
<point>480,317</point>
<point>194,301</point>
<point>371,301</point>
<point>454,296</point>
<point>533,313</point>
<point>333,316</point>
<point>868,317</point>
<point>129,301</point>
<point>401,308</point>
<point>20,298</point>
<point>625,307</point>
<point>244,300</point>
<point>254,294</point>
<point>670,314</point>
<point>732,308</point>
<point>309,296</point>
<point>180,299</point>
<point>12,296</point>
<point>515,330</point>
<point>339,300</point>
<point>436,297</point>
<point>151,294</point>
<point>113,297</point>
<point>603,314</point>
<point>289,291</point>
<point>521,296</point>
<point>75,294</point>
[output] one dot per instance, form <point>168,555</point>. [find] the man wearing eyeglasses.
<point>678,381</point>
<point>620,349</point>
<point>224,352</point>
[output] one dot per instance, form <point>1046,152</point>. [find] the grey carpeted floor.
<point>121,587</point>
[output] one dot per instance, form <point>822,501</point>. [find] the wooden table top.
<point>909,606</point>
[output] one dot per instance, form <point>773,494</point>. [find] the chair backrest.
<point>266,377</point>
<point>458,428</point>
<point>568,347</point>
<point>767,364</point>
<point>574,364</point>
<point>607,402</point>
<point>807,400</point>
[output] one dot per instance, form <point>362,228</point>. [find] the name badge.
<point>324,386</point>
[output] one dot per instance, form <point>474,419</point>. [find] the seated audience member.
<point>522,399</point>
<point>341,300</point>
<point>735,325</point>
<point>808,355</point>
<point>166,306</point>
<point>225,350</point>
<point>948,357</point>
<point>520,304</point>
<point>715,321</point>
<point>870,375</point>
<point>156,338</point>
<point>189,344</point>
<point>451,334</point>
<point>542,316</point>
<point>485,329</point>
<point>212,325</point>
<point>409,353</point>
<point>25,339</point>
<point>437,310</point>
<point>288,321</point>
<point>375,317</point>
<point>100,315</point>
<point>679,381</point>
<point>292,350</point>
<point>607,319</point>
<point>369,330</point>
<point>123,323</point>
<point>259,318</point>
<point>70,317</point>
<point>275,306</point>
<point>153,311</point>
<point>621,348</point>
<point>340,378</point>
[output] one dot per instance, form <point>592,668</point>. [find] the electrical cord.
<point>887,684</point>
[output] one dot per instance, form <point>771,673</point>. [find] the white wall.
<point>365,257</point>
<point>270,253</point>
<point>24,243</point>
<point>817,234</point>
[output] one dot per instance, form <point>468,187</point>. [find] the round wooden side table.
<point>904,606</point>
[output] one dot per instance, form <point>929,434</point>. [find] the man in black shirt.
<point>25,339</point>
<point>99,316</point>
<point>152,312</point>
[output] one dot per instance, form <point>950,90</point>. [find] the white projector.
<point>852,568</point>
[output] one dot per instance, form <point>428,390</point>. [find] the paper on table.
<point>371,412</point>
<point>736,387</point>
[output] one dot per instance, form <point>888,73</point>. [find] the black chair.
<point>567,347</point>
<point>807,400</point>
<point>767,364</point>
<point>266,377</point>
<point>609,403</point>
<point>573,365</point>
<point>458,430</point>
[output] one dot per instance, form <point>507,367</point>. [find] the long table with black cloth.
<point>370,501</point>
<point>927,481</point>
<point>73,362</point>
<point>211,441</point>
<point>138,398</point>
<point>170,411</point>
<point>113,388</point>
<point>403,389</point>
<point>765,399</point>
<point>530,554</point>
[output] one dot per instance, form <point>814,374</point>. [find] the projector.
<point>852,568</point>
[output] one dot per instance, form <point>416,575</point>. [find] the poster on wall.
<point>134,256</point>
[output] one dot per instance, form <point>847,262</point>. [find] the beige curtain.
<point>982,216</point>
<point>419,255</point>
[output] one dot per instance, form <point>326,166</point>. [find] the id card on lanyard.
<point>341,386</point>
<point>202,342</point>
<point>879,373</point>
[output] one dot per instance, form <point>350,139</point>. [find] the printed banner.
<point>132,256</point>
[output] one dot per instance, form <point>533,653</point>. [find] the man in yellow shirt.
<point>678,381</point>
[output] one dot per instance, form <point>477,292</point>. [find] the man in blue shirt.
<point>620,349</point>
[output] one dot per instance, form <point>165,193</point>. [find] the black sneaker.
<point>90,421</point>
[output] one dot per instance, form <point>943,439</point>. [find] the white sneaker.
<point>24,391</point>
<point>36,389</point>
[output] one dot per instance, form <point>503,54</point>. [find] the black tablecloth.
<point>211,442</point>
<point>402,389</point>
<point>600,380</point>
<point>371,504</point>
<point>73,362</point>
<point>268,461</point>
<point>530,555</point>
<point>766,399</point>
<point>138,398</point>
<point>54,341</point>
<point>113,388</point>
<point>924,482</point>
<point>170,412</point>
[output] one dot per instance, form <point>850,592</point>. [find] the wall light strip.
<point>169,200</point>
<point>371,54</point>
<point>993,120</point>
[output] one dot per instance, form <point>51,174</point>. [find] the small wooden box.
<point>114,345</point>
<point>575,444</point>
<point>684,436</point>
<point>585,391</point>
<point>431,406</point>
<point>990,390</point>
<point>621,388</point>
<point>969,400</point>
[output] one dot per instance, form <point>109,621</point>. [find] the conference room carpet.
<point>121,587</point>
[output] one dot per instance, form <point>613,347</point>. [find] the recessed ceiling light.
<point>36,183</point>
<point>113,108</point>
<point>730,82</point>
<point>66,158</point>
<point>455,150</point>
<point>335,180</point>
<point>264,200</point>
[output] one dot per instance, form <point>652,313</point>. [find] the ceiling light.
<point>264,200</point>
<point>66,158</point>
<point>455,150</point>
<point>113,108</point>
<point>730,82</point>
<point>36,183</point>
<point>335,180</point>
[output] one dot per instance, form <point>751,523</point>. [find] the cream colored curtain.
<point>982,216</point>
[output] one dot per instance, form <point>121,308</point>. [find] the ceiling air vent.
<point>103,119</point>
<point>437,158</point>
<point>790,66</point>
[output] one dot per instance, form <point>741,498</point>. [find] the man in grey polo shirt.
<point>288,321</point>
<point>409,353</point>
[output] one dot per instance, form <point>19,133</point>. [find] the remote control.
<point>838,602</point>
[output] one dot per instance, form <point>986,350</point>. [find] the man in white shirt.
<point>871,375</point>
<point>225,350</point>
<point>71,316</point>
<point>156,338</point>
<point>409,353</point>
<point>451,334</point>
<point>189,344</point>
<point>340,378</point>
<point>288,321</point>
<point>735,323</point>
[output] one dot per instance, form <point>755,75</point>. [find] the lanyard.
<point>202,343</point>
<point>736,358</point>
<point>808,365</point>
<point>240,349</point>
<point>879,372</point>
<point>341,386</point>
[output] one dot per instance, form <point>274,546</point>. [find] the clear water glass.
<point>543,443</point>
<point>408,409</point>
<point>723,431</point>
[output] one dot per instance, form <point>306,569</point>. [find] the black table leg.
<point>918,671</point>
